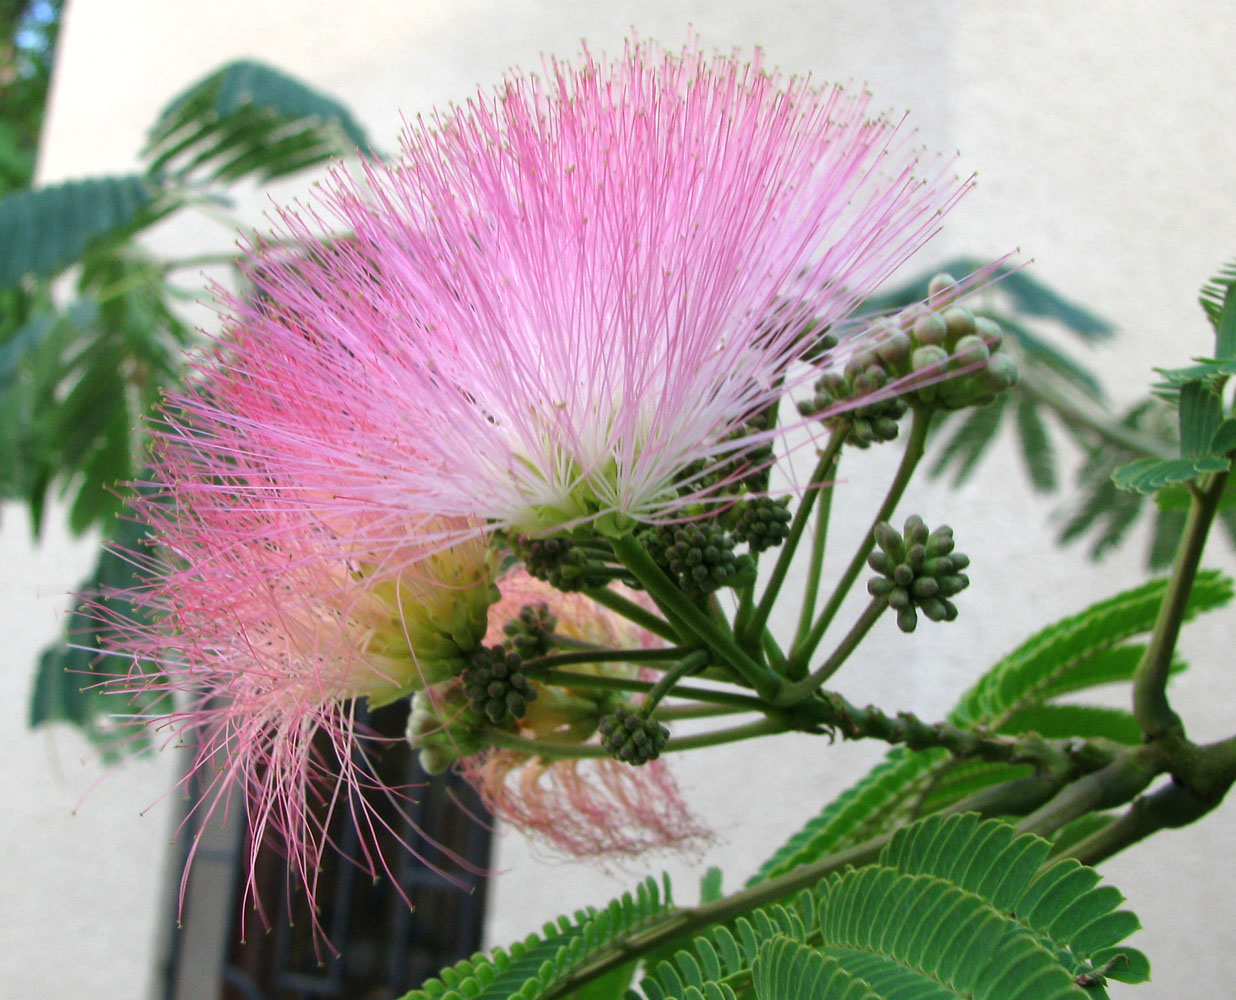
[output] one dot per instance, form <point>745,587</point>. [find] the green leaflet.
<point>531,967</point>
<point>785,968</point>
<point>251,119</point>
<point>1079,652</point>
<point>954,907</point>
<point>44,231</point>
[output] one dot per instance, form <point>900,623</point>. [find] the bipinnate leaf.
<point>970,441</point>
<point>249,119</point>
<point>955,907</point>
<point>530,968</point>
<point>1079,652</point>
<point>43,231</point>
<point>1036,446</point>
<point>1215,299</point>
<point>784,968</point>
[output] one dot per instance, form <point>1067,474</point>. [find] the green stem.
<point>801,689</point>
<point>803,650</point>
<point>675,603</point>
<point>695,710</point>
<point>633,612</point>
<point>551,750</point>
<point>815,565</point>
<point>1150,704</point>
<point>1111,786</point>
<point>602,656</point>
<point>567,679</point>
<point>688,665</point>
<point>749,630</point>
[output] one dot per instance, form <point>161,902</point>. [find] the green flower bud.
<point>959,320</point>
<point>928,358</point>
<point>894,350</point>
<point>942,289</point>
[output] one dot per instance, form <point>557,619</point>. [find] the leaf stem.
<point>552,660</point>
<point>690,920</point>
<point>567,679</point>
<point>1073,412</point>
<point>552,750</point>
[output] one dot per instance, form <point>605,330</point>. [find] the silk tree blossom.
<point>595,807</point>
<point>555,308</point>
<point>263,644</point>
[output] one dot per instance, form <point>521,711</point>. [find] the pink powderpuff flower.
<point>592,807</point>
<point>263,642</point>
<point>555,309</point>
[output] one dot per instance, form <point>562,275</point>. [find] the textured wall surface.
<point>1102,137</point>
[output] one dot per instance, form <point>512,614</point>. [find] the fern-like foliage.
<point>249,119</point>
<point>1214,298</point>
<point>46,230</point>
<point>954,907</point>
<point>1015,696</point>
<point>531,968</point>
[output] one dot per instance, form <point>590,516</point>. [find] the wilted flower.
<point>571,299</point>
<point>593,807</point>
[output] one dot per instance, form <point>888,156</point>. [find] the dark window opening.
<point>385,948</point>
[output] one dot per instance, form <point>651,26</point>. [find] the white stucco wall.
<point>1102,136</point>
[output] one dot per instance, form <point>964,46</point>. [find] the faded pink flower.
<point>595,807</point>
<point>598,807</point>
<point>558,301</point>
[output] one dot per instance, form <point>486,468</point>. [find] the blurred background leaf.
<point>84,364</point>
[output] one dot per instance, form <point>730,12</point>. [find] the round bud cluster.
<point>868,424</point>
<point>632,738</point>
<point>761,522</point>
<point>944,355</point>
<point>529,633</point>
<point>558,561</point>
<point>919,571</point>
<point>496,685</point>
<point>699,555</point>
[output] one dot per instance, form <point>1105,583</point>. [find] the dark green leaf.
<point>1036,446</point>
<point>1147,475</point>
<point>970,441</point>
<point>249,119</point>
<point>44,231</point>
<point>1081,721</point>
<point>66,685</point>
<point>1225,334</point>
<point>1200,415</point>
<point>1213,297</point>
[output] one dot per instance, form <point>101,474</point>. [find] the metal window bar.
<point>385,948</point>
